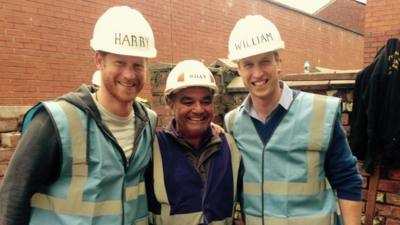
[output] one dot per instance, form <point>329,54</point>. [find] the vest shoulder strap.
<point>153,119</point>
<point>235,160</point>
<point>230,120</point>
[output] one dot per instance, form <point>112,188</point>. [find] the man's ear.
<point>169,102</point>
<point>239,68</point>
<point>99,60</point>
<point>277,58</point>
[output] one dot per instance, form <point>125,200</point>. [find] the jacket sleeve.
<point>35,163</point>
<point>341,166</point>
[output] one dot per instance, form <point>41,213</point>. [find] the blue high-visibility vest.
<point>284,180</point>
<point>94,186</point>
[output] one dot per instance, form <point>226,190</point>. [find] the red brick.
<point>5,154</point>
<point>393,199</point>
<point>10,139</point>
<point>389,186</point>
<point>8,124</point>
<point>388,210</point>
<point>3,169</point>
<point>394,174</point>
<point>390,221</point>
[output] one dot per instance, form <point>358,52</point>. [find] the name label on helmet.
<point>197,76</point>
<point>254,41</point>
<point>131,40</point>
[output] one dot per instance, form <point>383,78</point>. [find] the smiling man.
<point>194,173</point>
<point>82,157</point>
<point>297,162</point>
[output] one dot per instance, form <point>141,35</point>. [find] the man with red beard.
<point>194,172</point>
<point>82,157</point>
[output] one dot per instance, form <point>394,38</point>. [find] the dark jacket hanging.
<point>375,123</point>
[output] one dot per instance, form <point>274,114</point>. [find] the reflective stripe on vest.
<point>73,199</point>
<point>289,188</point>
<point>194,218</point>
<point>309,220</point>
<point>73,203</point>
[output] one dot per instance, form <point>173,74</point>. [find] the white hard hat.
<point>253,35</point>
<point>124,31</point>
<point>189,73</point>
<point>96,78</point>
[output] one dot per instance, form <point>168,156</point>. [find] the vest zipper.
<point>123,202</point>
<point>121,152</point>
<point>125,165</point>
<point>262,178</point>
<point>128,161</point>
<point>262,184</point>
<point>204,195</point>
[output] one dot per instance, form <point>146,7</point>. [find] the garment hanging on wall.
<point>375,119</point>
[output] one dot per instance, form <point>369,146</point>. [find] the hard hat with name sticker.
<point>189,73</point>
<point>124,31</point>
<point>253,35</point>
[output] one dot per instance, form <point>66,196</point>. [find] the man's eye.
<point>187,103</point>
<point>206,101</point>
<point>120,63</point>
<point>138,66</point>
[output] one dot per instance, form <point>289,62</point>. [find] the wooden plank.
<point>320,76</point>
<point>372,190</point>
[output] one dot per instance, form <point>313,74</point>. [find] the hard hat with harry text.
<point>189,73</point>
<point>253,35</point>
<point>124,31</point>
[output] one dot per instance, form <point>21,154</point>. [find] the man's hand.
<point>217,129</point>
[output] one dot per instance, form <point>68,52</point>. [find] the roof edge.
<point>314,17</point>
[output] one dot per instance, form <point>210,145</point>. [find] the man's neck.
<point>264,106</point>
<point>110,104</point>
<point>194,141</point>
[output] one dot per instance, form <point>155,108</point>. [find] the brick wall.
<point>382,21</point>
<point>10,119</point>
<point>44,45</point>
<point>347,13</point>
<point>382,195</point>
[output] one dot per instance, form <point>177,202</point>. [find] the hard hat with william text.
<point>253,35</point>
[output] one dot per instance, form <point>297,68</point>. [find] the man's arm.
<point>342,172</point>
<point>35,163</point>
<point>351,211</point>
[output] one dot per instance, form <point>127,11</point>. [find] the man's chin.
<point>195,132</point>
